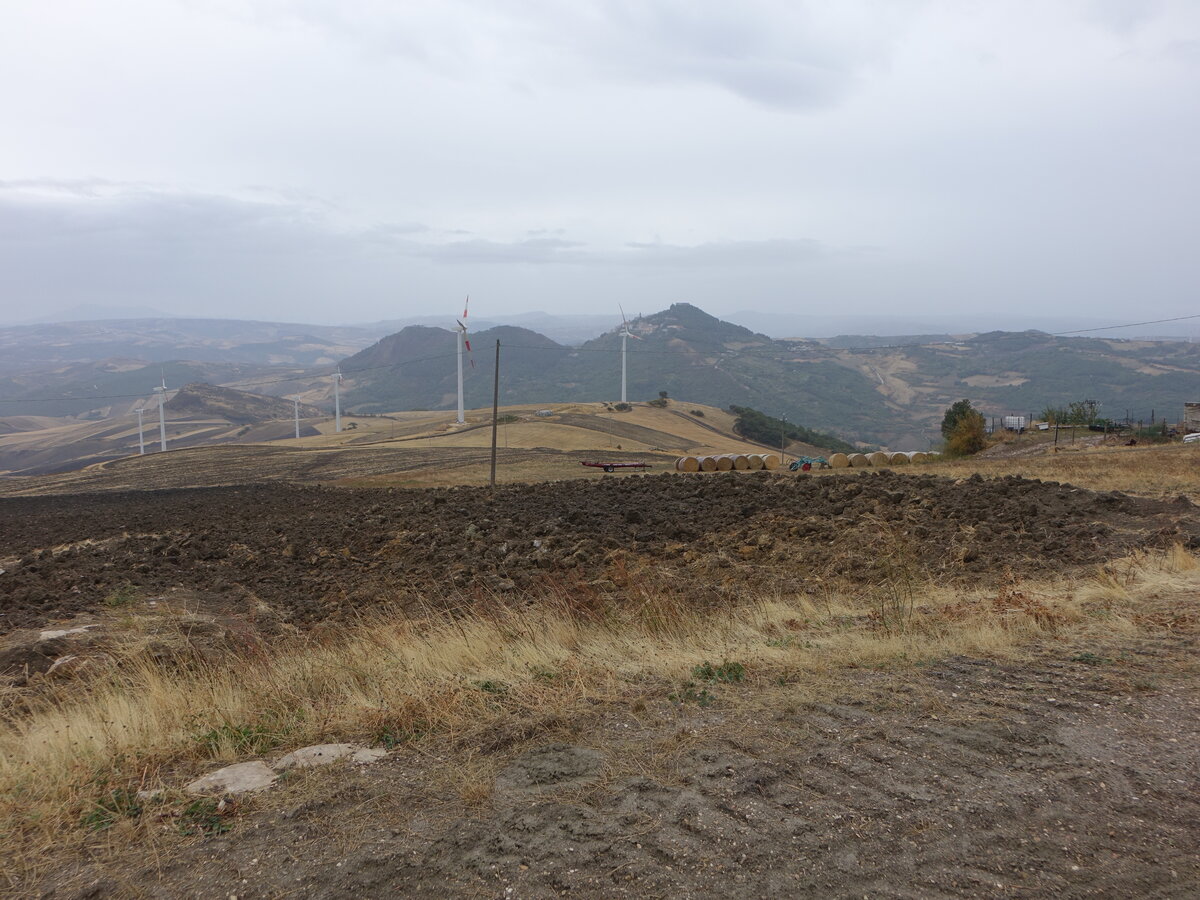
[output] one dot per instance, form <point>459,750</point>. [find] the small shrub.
<point>256,738</point>
<point>689,694</point>
<point>729,672</point>
<point>394,734</point>
<point>507,419</point>
<point>492,687</point>
<point>122,595</point>
<point>622,407</point>
<point>116,804</point>
<point>698,413</point>
<point>206,816</point>
<point>660,402</point>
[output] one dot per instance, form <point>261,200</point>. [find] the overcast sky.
<point>353,160</point>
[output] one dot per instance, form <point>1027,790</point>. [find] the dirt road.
<point>1059,776</point>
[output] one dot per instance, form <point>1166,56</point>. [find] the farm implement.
<point>806,463</point>
<point>613,466</point>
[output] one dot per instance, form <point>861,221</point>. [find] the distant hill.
<point>882,390</point>
<point>873,389</point>
<point>35,348</point>
<point>200,400</point>
<point>115,386</point>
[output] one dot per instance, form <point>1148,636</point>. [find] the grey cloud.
<point>728,253</point>
<point>785,53</point>
<point>531,251</point>
<point>1122,16</point>
<point>64,244</point>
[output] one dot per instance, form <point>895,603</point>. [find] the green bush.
<point>968,437</point>
<point>955,414</point>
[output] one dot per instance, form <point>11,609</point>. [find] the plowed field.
<point>311,552</point>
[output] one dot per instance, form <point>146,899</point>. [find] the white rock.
<point>65,632</point>
<point>236,779</point>
<point>324,754</point>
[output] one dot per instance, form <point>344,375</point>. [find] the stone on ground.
<point>236,779</point>
<point>324,754</point>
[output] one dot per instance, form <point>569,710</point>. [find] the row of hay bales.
<point>726,462</point>
<point>878,458</point>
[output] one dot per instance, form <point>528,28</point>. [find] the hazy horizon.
<point>363,161</point>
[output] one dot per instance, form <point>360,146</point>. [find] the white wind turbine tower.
<point>462,341</point>
<point>337,401</point>
<point>296,400</point>
<point>162,415</point>
<point>625,335</point>
<point>141,436</point>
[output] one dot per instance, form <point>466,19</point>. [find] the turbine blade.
<point>623,319</point>
<point>465,305</point>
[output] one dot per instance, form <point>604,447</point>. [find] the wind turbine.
<point>162,416</point>
<point>337,401</point>
<point>462,341</point>
<point>625,335</point>
<point>296,400</point>
<point>141,437</point>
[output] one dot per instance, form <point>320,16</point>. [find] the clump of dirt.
<point>309,552</point>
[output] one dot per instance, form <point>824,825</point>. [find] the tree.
<point>969,436</point>
<point>955,414</point>
<point>663,395</point>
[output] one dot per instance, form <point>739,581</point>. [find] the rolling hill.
<point>886,391</point>
<point>869,389</point>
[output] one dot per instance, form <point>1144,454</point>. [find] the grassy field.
<point>448,680</point>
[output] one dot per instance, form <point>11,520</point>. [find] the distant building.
<point>1191,417</point>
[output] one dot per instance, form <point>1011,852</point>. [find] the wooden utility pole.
<point>495,414</point>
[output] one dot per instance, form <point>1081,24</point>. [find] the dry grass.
<point>488,678</point>
<point>1160,472</point>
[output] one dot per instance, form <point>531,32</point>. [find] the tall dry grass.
<point>1162,472</point>
<point>455,679</point>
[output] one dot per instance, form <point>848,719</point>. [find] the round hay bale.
<point>839,461</point>
<point>688,464</point>
<point>708,464</point>
<point>756,461</point>
<point>898,459</point>
<point>724,463</point>
<point>878,458</point>
<point>859,460</point>
<point>918,457</point>
<point>741,461</point>
<point>771,461</point>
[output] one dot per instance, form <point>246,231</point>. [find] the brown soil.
<point>1067,775</point>
<point>310,552</point>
